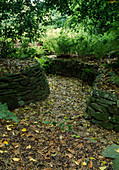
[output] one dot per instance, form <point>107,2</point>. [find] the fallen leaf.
<point>32,159</point>
<point>16,159</point>
<point>70,150</point>
<point>5,142</point>
<point>1,151</point>
<point>117,150</point>
<point>69,155</point>
<point>90,164</point>
<point>28,147</point>
<point>103,168</point>
<point>8,128</point>
<point>92,158</point>
<point>84,163</point>
<point>104,162</point>
<point>24,130</point>
<point>36,131</point>
<point>76,162</point>
<point>16,145</point>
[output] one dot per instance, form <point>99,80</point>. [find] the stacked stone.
<point>103,109</point>
<point>70,68</point>
<point>28,86</point>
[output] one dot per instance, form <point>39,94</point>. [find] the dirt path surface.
<point>40,142</point>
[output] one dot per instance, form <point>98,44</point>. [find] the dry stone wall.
<point>70,68</point>
<point>28,86</point>
<point>103,109</point>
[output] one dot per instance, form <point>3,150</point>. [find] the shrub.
<point>45,63</point>
<point>61,43</point>
<point>97,45</point>
<point>80,43</point>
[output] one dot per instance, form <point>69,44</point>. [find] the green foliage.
<point>85,74</point>
<point>97,45</point>
<point>25,50</point>
<point>58,124</point>
<point>6,48</point>
<point>114,77</point>
<point>69,42</point>
<point>45,63</point>
<point>17,19</point>
<point>6,114</point>
<point>96,16</point>
<point>60,44</point>
<point>113,152</point>
<point>56,19</point>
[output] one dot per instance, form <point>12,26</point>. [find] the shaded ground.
<point>33,144</point>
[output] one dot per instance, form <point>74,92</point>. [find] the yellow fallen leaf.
<point>5,142</point>
<point>76,163</point>
<point>92,158</point>
<point>104,162</point>
<point>37,131</point>
<point>28,147</point>
<point>22,135</point>
<point>117,150</point>
<point>31,159</point>
<point>16,159</point>
<point>103,168</point>
<point>24,130</point>
<point>1,151</point>
<point>9,128</point>
<point>84,163</point>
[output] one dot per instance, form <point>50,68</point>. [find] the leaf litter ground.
<point>32,144</point>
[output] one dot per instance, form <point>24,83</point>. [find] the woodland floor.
<point>39,142</point>
<point>32,144</point>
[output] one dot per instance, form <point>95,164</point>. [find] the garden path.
<point>39,142</point>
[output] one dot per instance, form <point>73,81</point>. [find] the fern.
<point>6,114</point>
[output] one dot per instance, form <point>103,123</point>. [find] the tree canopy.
<point>24,17</point>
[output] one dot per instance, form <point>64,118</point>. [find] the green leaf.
<point>76,136</point>
<point>46,122</point>
<point>6,114</point>
<point>116,164</point>
<point>111,151</point>
<point>70,127</point>
<point>55,123</point>
<point>67,118</point>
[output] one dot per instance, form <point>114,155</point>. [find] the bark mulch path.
<point>39,142</point>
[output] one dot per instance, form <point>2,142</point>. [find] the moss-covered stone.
<point>115,119</point>
<point>116,128</point>
<point>101,116</point>
<point>28,86</point>
<point>108,126</point>
<point>69,68</point>
<point>102,106</point>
